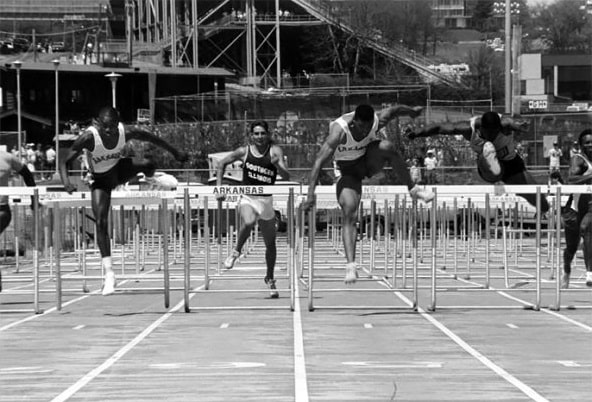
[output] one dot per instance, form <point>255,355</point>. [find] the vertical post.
<point>56,64</point>
<point>278,56</point>
<point>17,64</point>
<point>113,78</point>
<point>508,54</point>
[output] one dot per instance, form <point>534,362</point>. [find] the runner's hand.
<point>70,188</point>
<point>308,204</point>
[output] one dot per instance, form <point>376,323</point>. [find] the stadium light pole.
<point>17,65</point>
<point>508,54</point>
<point>56,65</point>
<point>113,78</point>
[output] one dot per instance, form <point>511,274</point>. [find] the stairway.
<point>419,63</point>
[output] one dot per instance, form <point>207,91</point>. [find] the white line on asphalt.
<point>531,393</point>
<point>513,326</point>
<point>544,310</point>
<point>91,375</point>
<point>300,382</point>
<point>76,328</point>
<point>51,310</point>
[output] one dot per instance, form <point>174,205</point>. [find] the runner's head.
<point>260,133</point>
<point>491,125</point>
<point>585,141</point>
<point>108,120</point>
<point>363,118</point>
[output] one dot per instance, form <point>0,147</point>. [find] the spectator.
<point>430,163</point>
<point>50,158</point>
<point>555,155</point>
<point>415,171</point>
<point>575,149</point>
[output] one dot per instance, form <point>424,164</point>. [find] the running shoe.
<point>351,273</point>
<point>273,293</point>
<point>421,194</point>
<point>490,158</point>
<point>231,259</point>
<point>109,285</point>
<point>589,278</point>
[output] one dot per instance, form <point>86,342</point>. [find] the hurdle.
<point>15,194</point>
<point>156,200</point>
<point>283,195</point>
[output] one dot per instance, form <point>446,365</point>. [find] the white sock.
<point>107,264</point>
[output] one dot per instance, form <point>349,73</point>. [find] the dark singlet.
<point>258,170</point>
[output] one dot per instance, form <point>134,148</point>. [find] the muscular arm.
<point>399,110</point>
<point>85,140</point>
<point>577,167</point>
<point>141,133</point>
<point>279,163</point>
<point>325,153</point>
<point>510,125</point>
<point>235,155</point>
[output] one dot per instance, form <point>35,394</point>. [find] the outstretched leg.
<point>249,218</point>
<point>269,235</point>
<point>348,197</point>
<point>101,204</point>
<point>379,152</point>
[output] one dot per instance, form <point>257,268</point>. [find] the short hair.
<point>108,113</point>
<point>364,113</point>
<point>491,120</point>
<point>584,133</point>
<point>260,123</point>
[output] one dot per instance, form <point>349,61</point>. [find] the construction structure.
<point>240,35</point>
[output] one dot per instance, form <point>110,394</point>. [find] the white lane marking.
<point>300,382</point>
<point>24,370</point>
<point>368,325</point>
<point>51,310</point>
<point>224,325</point>
<point>544,310</point>
<point>207,366</point>
<point>513,326</point>
<point>571,363</point>
<point>91,375</point>
<point>78,327</point>
<point>528,391</point>
<point>394,365</point>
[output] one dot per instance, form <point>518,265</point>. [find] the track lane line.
<point>300,380</point>
<point>528,391</point>
<point>91,375</point>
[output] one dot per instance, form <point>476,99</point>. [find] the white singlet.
<point>103,158</point>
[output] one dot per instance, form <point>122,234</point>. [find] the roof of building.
<point>45,63</point>
<point>566,60</point>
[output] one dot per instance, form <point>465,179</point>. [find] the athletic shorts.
<point>353,172</point>
<point>262,204</point>
<point>118,174</point>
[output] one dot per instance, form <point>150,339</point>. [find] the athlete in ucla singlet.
<point>262,160</point>
<point>102,144</point>
<point>357,152</point>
